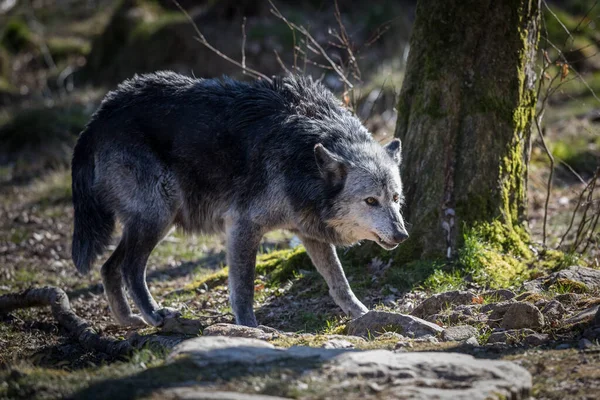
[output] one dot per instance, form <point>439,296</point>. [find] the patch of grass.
<point>564,286</point>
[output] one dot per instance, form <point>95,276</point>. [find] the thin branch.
<point>317,47</point>
<point>200,38</point>
<point>244,44</point>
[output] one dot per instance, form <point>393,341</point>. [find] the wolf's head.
<point>369,192</point>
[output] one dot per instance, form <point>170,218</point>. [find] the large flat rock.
<point>340,373</point>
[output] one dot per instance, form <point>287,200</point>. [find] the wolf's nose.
<point>400,237</point>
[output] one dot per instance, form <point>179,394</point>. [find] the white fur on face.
<point>355,220</point>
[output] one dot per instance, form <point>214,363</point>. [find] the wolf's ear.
<point>394,149</point>
<point>332,168</point>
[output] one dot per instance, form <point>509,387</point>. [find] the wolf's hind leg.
<point>140,240</point>
<point>243,239</point>
<point>112,280</point>
<point>326,261</point>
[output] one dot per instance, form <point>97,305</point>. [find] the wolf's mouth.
<point>384,244</point>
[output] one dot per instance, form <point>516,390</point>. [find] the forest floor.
<point>38,359</point>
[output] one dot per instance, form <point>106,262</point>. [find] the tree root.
<point>77,327</point>
<point>82,330</point>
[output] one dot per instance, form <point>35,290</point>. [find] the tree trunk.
<point>464,117</point>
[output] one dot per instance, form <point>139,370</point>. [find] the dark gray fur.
<point>220,155</point>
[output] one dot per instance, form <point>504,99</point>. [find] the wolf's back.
<point>94,221</point>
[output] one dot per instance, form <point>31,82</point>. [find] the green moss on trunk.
<point>465,116</point>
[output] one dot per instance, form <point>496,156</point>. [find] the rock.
<point>553,311</point>
<point>182,325</point>
<point>438,302</point>
<point>337,344</point>
<point>588,277</point>
<point>376,321</point>
<point>496,312</point>
<point>563,346</point>
<point>584,316</point>
<point>536,339</point>
<point>596,321</point>
<point>585,344</point>
<point>464,314</point>
<point>522,315</point>
<point>413,375</point>
<point>499,294</point>
<point>390,335</point>
<point>472,341</point>
<point>223,329</point>
<point>511,336</point>
<point>459,333</point>
<point>568,298</point>
<point>202,393</point>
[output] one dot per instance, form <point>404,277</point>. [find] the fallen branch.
<point>77,327</point>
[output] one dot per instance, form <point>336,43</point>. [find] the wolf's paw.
<point>158,317</point>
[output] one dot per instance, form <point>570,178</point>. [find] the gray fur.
<point>225,156</point>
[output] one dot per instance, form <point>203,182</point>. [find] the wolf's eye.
<point>372,201</point>
<point>396,198</point>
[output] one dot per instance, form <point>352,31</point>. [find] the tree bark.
<point>464,117</point>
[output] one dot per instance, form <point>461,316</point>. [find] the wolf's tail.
<point>94,221</point>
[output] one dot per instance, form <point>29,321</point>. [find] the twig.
<point>200,38</point>
<point>244,45</point>
<point>317,47</point>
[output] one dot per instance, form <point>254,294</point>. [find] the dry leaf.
<point>477,300</point>
<point>564,71</point>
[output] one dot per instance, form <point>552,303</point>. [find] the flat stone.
<point>202,393</point>
<point>536,339</point>
<point>522,315</point>
<point>438,302</point>
<point>511,336</point>
<point>584,316</point>
<point>375,322</point>
<point>338,344</point>
<point>389,375</point>
<point>233,330</point>
<point>459,333</point>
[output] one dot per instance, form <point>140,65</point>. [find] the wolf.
<point>243,158</point>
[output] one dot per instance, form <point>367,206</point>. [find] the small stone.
<point>568,298</point>
<point>472,341</point>
<point>563,346</point>
<point>536,339</point>
<point>585,344</point>
<point>512,336</point>
<point>438,302</point>
<point>389,335</point>
<point>499,295</point>
<point>403,344</point>
<point>522,315</point>
<point>554,311</point>
<point>337,344</point>
<point>459,333</point>
<point>375,322</point>
<point>232,330</point>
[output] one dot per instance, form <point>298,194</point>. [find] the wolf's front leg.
<point>243,239</point>
<point>326,261</point>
